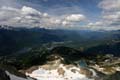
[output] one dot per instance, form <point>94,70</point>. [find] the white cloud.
<point>45,14</point>
<point>75,17</point>
<point>29,17</point>
<point>110,4</point>
<point>28,10</point>
<point>64,23</point>
<point>95,24</point>
<point>110,19</point>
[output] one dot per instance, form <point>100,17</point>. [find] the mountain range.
<point>15,40</point>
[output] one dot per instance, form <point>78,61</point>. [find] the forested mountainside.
<point>18,40</point>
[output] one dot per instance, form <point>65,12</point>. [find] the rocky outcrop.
<point>3,75</point>
<point>56,69</point>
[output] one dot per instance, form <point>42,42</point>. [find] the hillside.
<point>20,40</point>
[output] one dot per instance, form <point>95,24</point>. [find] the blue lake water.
<point>82,63</point>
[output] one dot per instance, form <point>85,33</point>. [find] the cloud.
<point>57,16</point>
<point>19,17</point>
<point>110,4</point>
<point>29,11</point>
<point>110,19</point>
<point>95,24</point>
<point>75,17</point>
<point>29,17</point>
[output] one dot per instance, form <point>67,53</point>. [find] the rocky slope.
<point>55,69</point>
<point>3,75</point>
<point>60,63</point>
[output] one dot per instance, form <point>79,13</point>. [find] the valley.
<point>59,39</point>
<point>60,56</point>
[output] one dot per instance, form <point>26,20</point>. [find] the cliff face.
<point>3,75</point>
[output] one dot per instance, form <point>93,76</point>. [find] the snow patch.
<point>68,74</point>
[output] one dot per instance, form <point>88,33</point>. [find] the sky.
<point>61,14</point>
